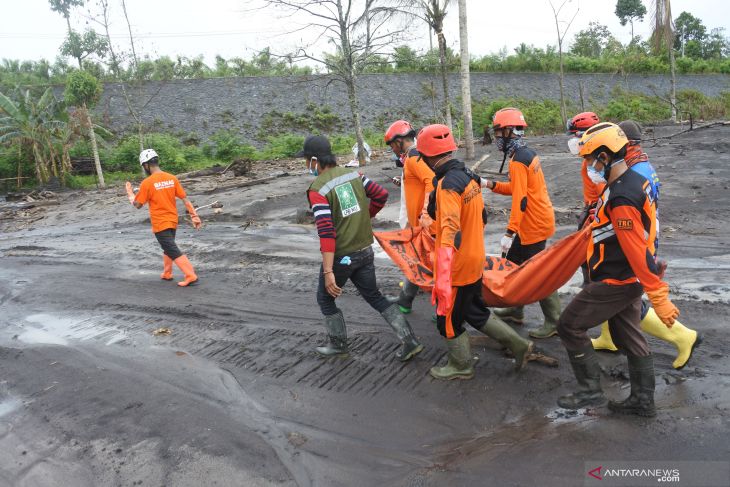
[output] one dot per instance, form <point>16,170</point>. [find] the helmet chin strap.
<point>446,158</point>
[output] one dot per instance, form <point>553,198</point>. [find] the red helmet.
<point>399,128</point>
<point>436,139</point>
<point>582,122</point>
<point>508,117</point>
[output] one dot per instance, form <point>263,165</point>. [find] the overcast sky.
<point>30,30</point>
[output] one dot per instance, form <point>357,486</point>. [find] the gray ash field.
<point>235,395</point>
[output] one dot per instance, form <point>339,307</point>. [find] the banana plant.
<point>33,124</point>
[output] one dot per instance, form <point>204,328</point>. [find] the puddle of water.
<point>567,416</point>
<point>7,406</point>
<point>55,330</point>
<point>42,337</point>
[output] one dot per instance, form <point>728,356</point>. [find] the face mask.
<point>573,145</point>
<point>598,177</point>
<point>313,170</point>
<point>507,145</point>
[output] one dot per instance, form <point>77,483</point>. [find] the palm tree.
<point>434,12</point>
<point>32,123</point>
<point>663,37</point>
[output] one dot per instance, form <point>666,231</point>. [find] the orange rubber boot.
<point>167,268</point>
<point>184,264</point>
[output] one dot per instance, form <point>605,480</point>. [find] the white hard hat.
<point>146,156</point>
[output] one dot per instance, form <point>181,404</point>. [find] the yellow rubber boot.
<point>604,341</point>
<point>684,339</point>
<point>167,268</point>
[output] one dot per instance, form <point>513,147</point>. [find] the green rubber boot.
<point>499,330</point>
<point>551,309</point>
<point>337,335</point>
<point>641,399</point>
<point>459,365</point>
<point>588,374</point>
<point>515,314</point>
<point>402,328</point>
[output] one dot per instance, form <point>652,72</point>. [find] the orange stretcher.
<point>503,283</point>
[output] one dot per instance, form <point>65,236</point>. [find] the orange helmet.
<point>399,128</point>
<point>582,122</point>
<point>508,117</point>
<point>436,139</point>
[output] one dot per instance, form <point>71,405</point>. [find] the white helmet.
<point>146,156</point>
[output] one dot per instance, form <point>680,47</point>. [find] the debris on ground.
<point>162,331</point>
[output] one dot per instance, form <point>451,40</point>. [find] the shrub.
<point>228,145</point>
<point>542,116</point>
<point>281,146</point>
<point>125,156</point>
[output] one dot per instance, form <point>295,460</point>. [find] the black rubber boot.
<point>588,374</point>
<point>407,294</point>
<point>641,399</point>
<point>337,335</point>
<point>402,328</point>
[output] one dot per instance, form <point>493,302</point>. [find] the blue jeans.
<point>361,271</point>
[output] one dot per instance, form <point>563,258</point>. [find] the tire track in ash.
<point>283,355</point>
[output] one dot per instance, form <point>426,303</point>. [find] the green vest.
<point>345,193</point>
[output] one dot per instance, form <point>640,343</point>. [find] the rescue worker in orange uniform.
<point>531,220</point>
<point>457,208</point>
<point>159,191</point>
<point>416,184</point>
<point>684,339</point>
<point>591,190</point>
<point>621,267</point>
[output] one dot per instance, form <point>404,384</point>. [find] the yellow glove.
<point>665,309</point>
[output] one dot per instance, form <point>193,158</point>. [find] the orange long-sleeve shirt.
<point>591,190</point>
<point>459,223</point>
<point>418,183</point>
<point>622,247</point>
<point>531,216</point>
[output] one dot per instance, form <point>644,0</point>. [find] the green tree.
<point>591,42</point>
<point>83,91</point>
<point>716,46</point>
<point>81,46</point>
<point>629,11</point>
<point>406,59</point>
<point>689,35</point>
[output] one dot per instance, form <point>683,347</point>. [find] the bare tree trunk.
<point>673,93</point>
<point>562,88</point>
<point>94,148</point>
<point>20,164</point>
<point>465,82</point>
<point>355,109</point>
<point>444,77</point>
